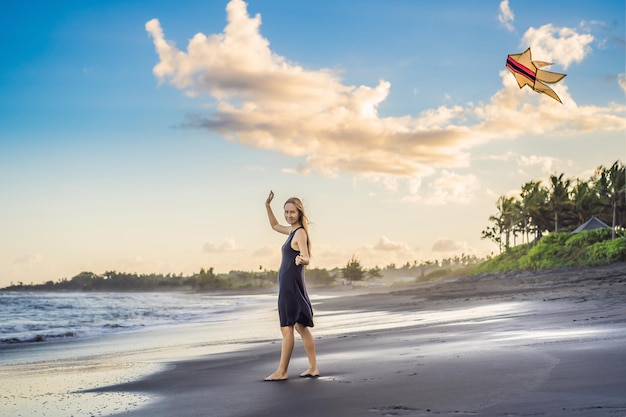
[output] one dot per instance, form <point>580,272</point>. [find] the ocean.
<point>39,317</point>
<point>56,346</point>
<point>52,319</point>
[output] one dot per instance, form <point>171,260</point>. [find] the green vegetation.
<point>354,272</point>
<point>560,206</point>
<point>558,209</point>
<point>557,250</point>
<point>208,280</point>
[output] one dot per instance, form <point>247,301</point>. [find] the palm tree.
<point>611,186</point>
<point>493,232</point>
<point>517,221</point>
<point>559,197</point>
<point>534,207</point>
<point>506,222</point>
<point>530,206</point>
<point>560,205</point>
<point>585,200</point>
<point>508,217</point>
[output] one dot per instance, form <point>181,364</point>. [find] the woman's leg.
<point>285,355</point>
<point>309,346</point>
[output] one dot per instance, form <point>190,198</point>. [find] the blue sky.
<point>142,145</point>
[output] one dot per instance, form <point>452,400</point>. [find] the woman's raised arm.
<point>270,215</point>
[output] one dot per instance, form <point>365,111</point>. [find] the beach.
<point>517,344</point>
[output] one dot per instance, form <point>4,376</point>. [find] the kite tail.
<point>542,88</point>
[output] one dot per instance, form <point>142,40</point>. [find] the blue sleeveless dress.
<point>294,305</point>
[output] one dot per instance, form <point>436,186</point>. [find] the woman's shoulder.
<point>299,230</point>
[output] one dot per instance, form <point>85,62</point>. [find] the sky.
<point>145,136</point>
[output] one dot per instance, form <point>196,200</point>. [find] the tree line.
<point>561,205</point>
<point>353,271</point>
<point>208,280</point>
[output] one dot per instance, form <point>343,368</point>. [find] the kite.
<point>527,72</point>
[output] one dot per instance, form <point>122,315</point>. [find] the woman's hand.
<point>301,260</point>
<point>269,198</point>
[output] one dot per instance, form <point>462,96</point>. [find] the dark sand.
<point>542,344</point>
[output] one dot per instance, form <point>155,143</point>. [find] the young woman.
<point>294,306</point>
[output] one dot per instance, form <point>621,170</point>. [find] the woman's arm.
<point>299,240</point>
<point>270,215</point>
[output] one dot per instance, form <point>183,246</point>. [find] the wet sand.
<point>527,344</point>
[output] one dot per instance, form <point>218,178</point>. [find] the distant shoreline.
<point>615,267</point>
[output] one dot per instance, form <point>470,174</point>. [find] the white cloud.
<point>140,265</point>
<point>228,245</point>
<point>450,246</point>
<point>452,188</point>
<point>540,167</point>
<point>506,16</point>
<point>446,188</point>
<point>491,194</point>
<point>265,252</point>
<point>269,257</point>
<point>385,244</point>
<point>384,252</point>
<point>30,259</point>
<point>300,169</point>
<point>564,46</point>
<point>545,162</point>
<point>265,101</point>
<point>500,157</point>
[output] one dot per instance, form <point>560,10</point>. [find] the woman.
<point>294,306</point>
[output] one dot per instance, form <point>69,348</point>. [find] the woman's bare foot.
<point>277,376</point>
<point>310,373</point>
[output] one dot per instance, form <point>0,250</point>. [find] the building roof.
<point>591,224</point>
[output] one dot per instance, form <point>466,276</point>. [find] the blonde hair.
<point>303,219</point>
